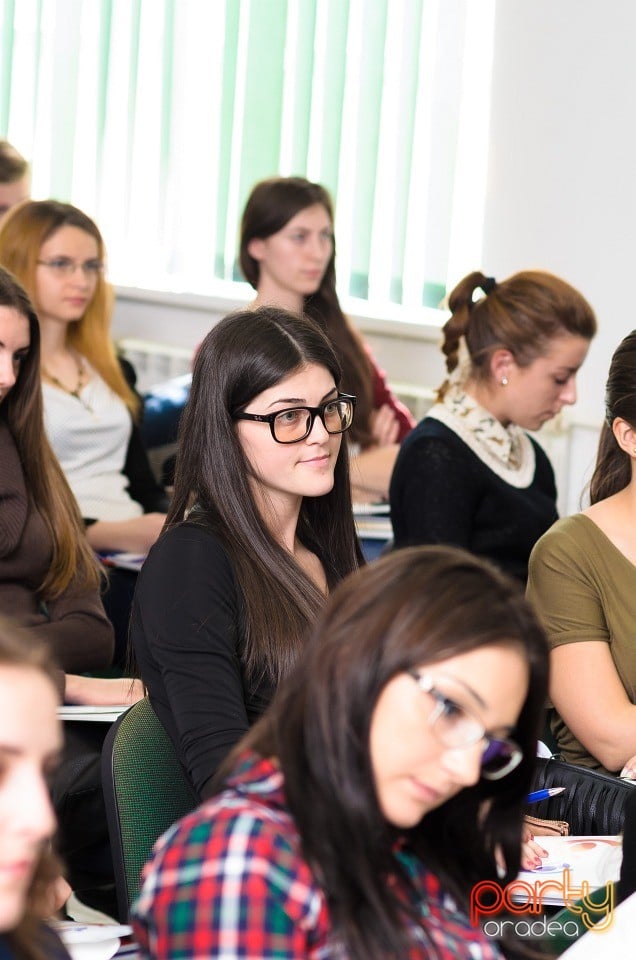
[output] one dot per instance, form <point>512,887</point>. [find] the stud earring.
<point>504,381</point>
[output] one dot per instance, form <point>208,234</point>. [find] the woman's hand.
<point>629,770</point>
<point>370,473</point>
<point>130,536</point>
<point>531,852</point>
<point>53,898</point>
<point>385,426</point>
<point>102,691</point>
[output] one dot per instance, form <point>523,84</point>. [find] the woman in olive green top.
<point>582,580</point>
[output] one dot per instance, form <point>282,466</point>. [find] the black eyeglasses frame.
<point>312,412</point>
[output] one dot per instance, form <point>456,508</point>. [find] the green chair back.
<point>145,791</point>
<point>572,921</point>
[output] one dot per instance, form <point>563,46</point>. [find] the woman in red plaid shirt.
<point>355,818</point>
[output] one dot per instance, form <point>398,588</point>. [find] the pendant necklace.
<point>81,382</point>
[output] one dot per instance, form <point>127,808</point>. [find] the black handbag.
<point>592,802</point>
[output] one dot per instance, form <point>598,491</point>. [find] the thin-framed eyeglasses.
<point>455,726</point>
<point>295,423</point>
<point>66,267</point>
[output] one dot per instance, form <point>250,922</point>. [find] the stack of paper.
<point>571,863</point>
<point>373,521</point>
<point>125,561</point>
<point>80,711</point>
<point>91,941</point>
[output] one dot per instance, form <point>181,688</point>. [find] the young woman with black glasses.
<point>288,254</point>
<point>259,531</point>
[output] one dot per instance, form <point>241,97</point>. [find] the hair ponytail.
<point>461,303</point>
<point>521,314</point>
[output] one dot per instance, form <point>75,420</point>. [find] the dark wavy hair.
<point>613,469</point>
<point>271,204</point>
<point>415,606</point>
<point>521,314</point>
<point>73,561</point>
<point>246,353</point>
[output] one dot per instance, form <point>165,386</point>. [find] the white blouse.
<point>90,436</point>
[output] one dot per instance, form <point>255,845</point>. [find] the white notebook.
<point>83,712</point>
<point>589,860</point>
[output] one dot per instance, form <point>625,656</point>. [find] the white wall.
<point>562,167</point>
<point>407,348</point>
<point>561,197</point>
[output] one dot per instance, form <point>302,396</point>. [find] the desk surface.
<point>373,526</point>
<point>80,711</point>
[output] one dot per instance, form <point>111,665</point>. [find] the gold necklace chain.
<point>81,382</point>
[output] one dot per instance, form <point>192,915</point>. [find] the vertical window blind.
<point>157,116</point>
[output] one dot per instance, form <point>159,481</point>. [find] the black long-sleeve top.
<point>187,631</point>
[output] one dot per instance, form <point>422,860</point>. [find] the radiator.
<point>154,362</point>
<point>157,362</point>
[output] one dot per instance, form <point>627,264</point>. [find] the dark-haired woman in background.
<point>582,581</point>
<point>390,771</point>
<point>469,475</point>
<point>49,576</point>
<point>260,530</point>
<point>288,254</point>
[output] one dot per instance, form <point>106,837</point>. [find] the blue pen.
<point>537,795</point>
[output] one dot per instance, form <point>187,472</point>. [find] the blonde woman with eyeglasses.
<point>91,409</point>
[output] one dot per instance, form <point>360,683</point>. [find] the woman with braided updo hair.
<point>469,475</point>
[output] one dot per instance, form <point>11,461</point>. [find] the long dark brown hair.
<point>415,606</point>
<point>271,204</point>
<point>246,353</point>
<point>73,560</point>
<point>613,469</point>
<point>521,314</point>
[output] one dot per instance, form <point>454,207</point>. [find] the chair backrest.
<point>592,803</point>
<point>568,925</point>
<point>145,791</point>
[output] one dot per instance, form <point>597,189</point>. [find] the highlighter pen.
<point>537,795</point>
